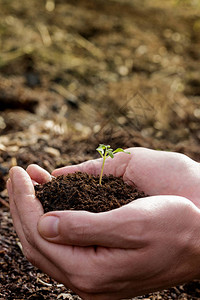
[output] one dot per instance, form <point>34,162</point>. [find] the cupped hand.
<point>154,172</point>
<point>147,245</point>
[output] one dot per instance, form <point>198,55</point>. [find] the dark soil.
<point>80,191</point>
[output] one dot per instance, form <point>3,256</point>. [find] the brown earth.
<point>74,74</point>
<point>81,191</point>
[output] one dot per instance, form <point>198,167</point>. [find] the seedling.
<point>105,151</point>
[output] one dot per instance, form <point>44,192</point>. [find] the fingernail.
<point>48,226</point>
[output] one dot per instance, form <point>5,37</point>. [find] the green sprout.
<point>105,151</point>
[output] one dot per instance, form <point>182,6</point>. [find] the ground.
<point>74,74</point>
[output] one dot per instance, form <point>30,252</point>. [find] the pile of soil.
<point>81,191</point>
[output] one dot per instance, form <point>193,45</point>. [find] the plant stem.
<point>104,159</point>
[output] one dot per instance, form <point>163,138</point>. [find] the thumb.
<point>119,228</point>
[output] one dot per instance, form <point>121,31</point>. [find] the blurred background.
<point>79,64</point>
<point>77,73</point>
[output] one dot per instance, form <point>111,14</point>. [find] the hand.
<point>130,241</point>
<point>154,172</point>
<point>58,261</point>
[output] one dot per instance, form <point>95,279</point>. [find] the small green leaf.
<point>100,150</point>
<point>120,150</point>
<point>104,146</point>
<point>105,151</point>
<point>110,153</point>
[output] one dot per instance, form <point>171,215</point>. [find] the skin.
<point>148,245</point>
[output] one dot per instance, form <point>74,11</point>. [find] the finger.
<point>91,167</point>
<point>125,227</point>
<point>115,166</point>
<point>34,256</point>
<point>38,174</point>
<point>28,207</point>
<point>164,173</point>
<point>14,214</point>
<point>120,228</point>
